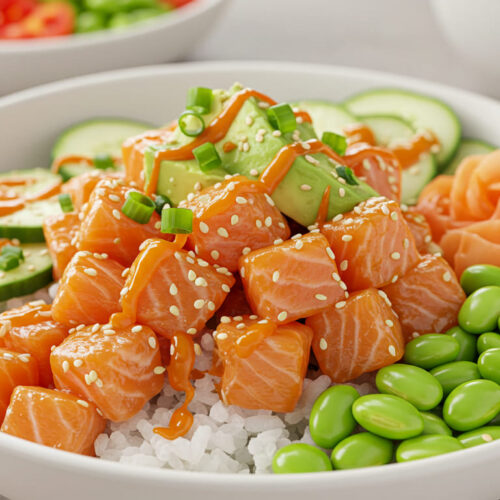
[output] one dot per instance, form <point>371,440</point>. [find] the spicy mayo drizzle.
<point>255,334</point>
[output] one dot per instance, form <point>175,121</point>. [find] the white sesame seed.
<point>305,187</point>
<point>276,276</point>
<point>65,366</point>
<point>276,133</point>
<point>90,271</point>
<point>392,350</point>
<point>254,172</point>
<point>246,250</point>
<point>268,222</point>
<point>330,253</point>
<point>242,272</point>
<point>136,329</point>
<point>340,305</point>
<point>341,192</point>
<point>197,349</point>
<point>310,159</point>
<point>234,220</point>
<point>114,197</point>
<point>92,376</point>
<point>173,289</point>
<point>222,232</point>
<point>343,285</point>
<point>200,282</point>
<point>83,403</point>
<point>152,342</point>
<point>320,296</point>
<point>394,216</point>
<point>231,185</point>
<point>202,263</point>
<point>77,363</point>
<point>394,278</point>
<point>389,322</point>
<point>395,255</point>
<point>174,310</point>
<point>277,241</point>
<point>191,331</point>
<point>263,104</point>
<point>258,223</point>
<point>406,243</point>
<point>299,244</point>
<point>204,227</point>
<point>197,186</point>
<point>109,331</point>
<point>123,291</point>
<point>346,237</point>
<point>199,303</point>
<point>222,336</point>
<point>338,217</point>
<point>240,326</point>
<point>125,272</point>
<point>191,275</point>
<point>269,199</point>
<point>211,306</point>
<point>190,260</point>
<point>487,438</point>
<point>116,214</point>
<point>336,276</point>
<point>323,344</point>
<point>385,210</point>
<point>214,254</point>
<point>249,120</point>
<point>159,370</point>
<point>447,276</point>
<point>238,318</point>
<point>225,319</point>
<point>282,316</point>
<point>253,316</point>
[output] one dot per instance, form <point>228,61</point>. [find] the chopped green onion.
<point>207,157</point>
<point>199,99</point>
<point>8,262</point>
<point>336,141</point>
<point>138,207</point>
<point>191,123</point>
<point>12,250</point>
<point>282,118</point>
<point>103,161</point>
<point>65,202</point>
<point>162,201</point>
<point>347,174</point>
<point>176,220</point>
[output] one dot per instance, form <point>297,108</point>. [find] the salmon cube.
<point>373,244</point>
<point>419,228</point>
<point>54,419</point>
<point>89,291</point>
<point>356,336</point>
<point>246,219</point>
<point>292,280</point>
<point>264,364</point>
<point>236,304</point>
<point>427,298</point>
<point>182,292</point>
<point>117,369</point>
<point>15,369</point>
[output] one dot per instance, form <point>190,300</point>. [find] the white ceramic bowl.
<point>24,63</point>
<point>32,119</point>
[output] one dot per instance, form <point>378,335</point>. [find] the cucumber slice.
<point>70,170</point>
<point>31,275</point>
<point>26,224</point>
<point>389,130</point>
<point>92,137</point>
<point>466,148</point>
<point>421,111</point>
<point>37,179</point>
<point>326,116</point>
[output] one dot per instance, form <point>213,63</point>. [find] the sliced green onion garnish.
<point>138,207</point>
<point>12,250</point>
<point>347,174</point>
<point>207,157</point>
<point>191,123</point>
<point>65,202</point>
<point>336,141</point>
<point>103,161</point>
<point>282,118</point>
<point>199,99</point>
<point>8,262</point>
<point>176,220</point>
<point>162,201</point>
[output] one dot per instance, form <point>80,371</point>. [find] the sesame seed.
<point>341,192</point>
<point>77,363</point>
<point>447,276</point>
<point>173,289</point>
<point>174,310</point>
<point>323,344</point>
<point>406,242</point>
<point>392,350</point>
<point>428,238</point>
<point>114,197</point>
<point>340,305</point>
<point>238,318</point>
<point>249,120</point>
<point>310,159</point>
<point>385,210</point>
<point>204,227</point>
<point>211,306</point>
<point>254,172</point>
<point>336,276</point>
<point>263,104</point>
<point>159,370</point>
<point>191,331</point>
<point>136,329</point>
<point>214,254</point>
<point>242,272</point>
<point>65,366</point>
<point>83,403</point>
<point>246,147</point>
<point>395,255</point>
<point>343,285</point>
<point>202,263</point>
<point>92,376</point>
<point>191,275</point>
<point>258,223</point>
<point>268,222</point>
<point>253,316</point>
<point>394,216</point>
<point>389,322</point>
<point>487,437</point>
<point>337,218</point>
<point>123,291</point>
<point>197,349</point>
<point>246,250</point>
<point>190,260</point>
<point>152,342</point>
<point>282,316</point>
<point>305,187</point>
<point>222,232</point>
<point>199,303</point>
<point>269,199</point>
<point>320,296</point>
<point>240,326</point>
<point>281,224</point>
<point>231,186</point>
<point>346,237</point>
<point>90,271</point>
<point>330,253</point>
<point>276,276</point>
<point>200,281</point>
<point>190,197</point>
<point>222,336</point>
<point>394,278</point>
<point>197,186</point>
<point>234,220</point>
<point>109,331</point>
<point>225,319</point>
<point>116,214</point>
<point>276,133</point>
<point>277,241</point>
<point>299,244</point>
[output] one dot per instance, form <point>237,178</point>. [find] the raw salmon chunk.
<point>178,292</point>
<point>373,244</point>
<point>54,419</point>
<point>264,364</point>
<point>15,369</point>
<point>356,336</point>
<point>105,229</point>
<point>292,280</point>
<point>236,304</point>
<point>117,369</point>
<point>89,291</point>
<point>246,219</point>
<point>419,228</point>
<point>428,298</point>
<point>59,232</point>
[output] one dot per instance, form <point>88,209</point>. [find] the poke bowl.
<point>186,381</point>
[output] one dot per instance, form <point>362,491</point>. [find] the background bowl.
<point>170,37</point>
<point>32,119</point>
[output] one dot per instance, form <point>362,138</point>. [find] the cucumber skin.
<point>23,234</point>
<point>28,286</point>
<point>482,148</point>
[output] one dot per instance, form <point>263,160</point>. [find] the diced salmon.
<point>246,220</point>
<point>15,369</point>
<point>89,291</point>
<point>264,364</point>
<point>117,369</point>
<point>54,419</point>
<point>59,232</point>
<point>356,336</point>
<point>292,280</point>
<point>427,299</point>
<point>419,228</point>
<point>373,244</point>
<point>235,304</point>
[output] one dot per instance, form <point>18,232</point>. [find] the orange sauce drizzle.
<point>255,334</point>
<point>323,206</point>
<point>17,181</point>
<point>361,151</point>
<point>408,154</point>
<point>358,132</point>
<point>63,160</point>
<point>10,203</point>
<point>228,147</point>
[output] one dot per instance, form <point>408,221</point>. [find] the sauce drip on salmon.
<point>253,337</point>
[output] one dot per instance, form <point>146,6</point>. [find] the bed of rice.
<point>222,438</point>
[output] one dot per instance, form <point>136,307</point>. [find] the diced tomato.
<point>12,11</point>
<point>175,3</point>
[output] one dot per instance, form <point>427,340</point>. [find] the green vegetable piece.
<point>103,161</point>
<point>426,447</point>
<point>207,157</point>
<point>199,99</point>
<point>191,123</point>
<point>434,424</point>
<point>472,404</point>
<point>138,207</point>
<point>412,383</point>
<point>347,174</point>
<point>481,310</point>
<point>331,417</point>
<point>467,341</point>
<point>66,202</point>
<point>388,416</point>
<point>282,118</point>
<point>176,220</point>
<point>335,141</point>
<point>362,450</point>
<point>8,262</point>
<point>488,340</point>
<point>300,457</point>
<point>13,250</point>
<point>489,364</point>
<point>162,201</point>
<point>430,350</point>
<point>480,436</point>
<point>451,375</point>
<point>89,21</point>
<point>479,276</point>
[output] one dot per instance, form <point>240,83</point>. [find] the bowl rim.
<point>62,460</point>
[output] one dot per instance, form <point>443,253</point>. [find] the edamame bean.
<point>362,450</point>
<point>432,349</point>
<point>489,364</point>
<point>479,276</point>
<point>467,342</point>
<point>412,383</point>
<point>388,416</point>
<point>480,436</point>
<point>331,417</point>
<point>488,340</point>
<point>433,424</point>
<point>300,457</point>
<point>89,21</point>
<point>481,310</point>
<point>426,447</point>
<point>451,375</point>
<point>471,405</point>
<point>495,420</point>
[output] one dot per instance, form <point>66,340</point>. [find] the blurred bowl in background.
<point>25,63</point>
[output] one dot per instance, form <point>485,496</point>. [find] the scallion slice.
<point>103,161</point>
<point>191,123</point>
<point>65,202</point>
<point>335,141</point>
<point>138,207</point>
<point>12,250</point>
<point>347,174</point>
<point>8,262</point>
<point>207,157</point>
<point>162,201</point>
<point>282,118</point>
<point>176,221</point>
<point>199,99</point>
